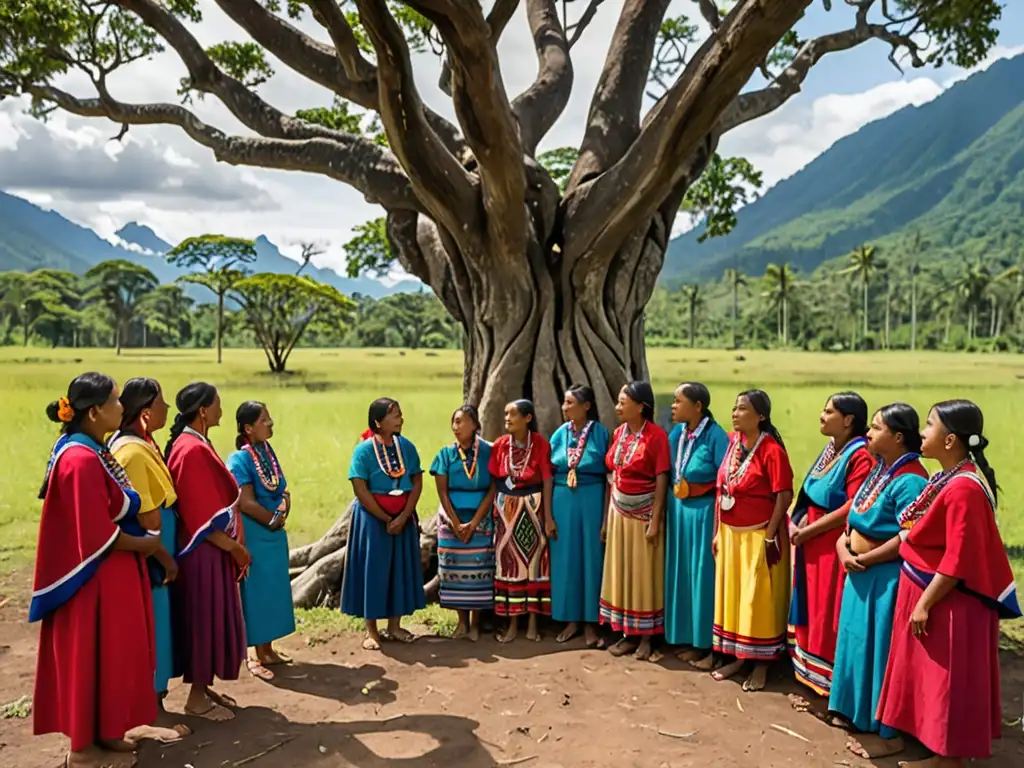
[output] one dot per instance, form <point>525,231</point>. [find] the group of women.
<point>153,564</point>
<point>885,587</point>
<point>889,612</point>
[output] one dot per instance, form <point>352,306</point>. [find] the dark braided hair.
<point>85,392</point>
<point>136,396</point>
<point>189,402</point>
<point>965,421</point>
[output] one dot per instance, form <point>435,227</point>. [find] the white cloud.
<point>996,54</point>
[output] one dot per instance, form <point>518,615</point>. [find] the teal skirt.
<point>689,571</point>
<point>165,671</point>
<point>577,554</point>
<point>267,591</point>
<point>862,653</point>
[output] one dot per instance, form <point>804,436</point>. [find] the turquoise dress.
<point>383,573</point>
<point>163,637</point>
<point>869,597</point>
<point>577,554</point>
<point>266,592</point>
<point>466,570</point>
<point>689,529</point>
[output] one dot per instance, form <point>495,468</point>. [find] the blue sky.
<point>162,179</point>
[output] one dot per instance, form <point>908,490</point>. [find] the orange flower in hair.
<point>64,410</point>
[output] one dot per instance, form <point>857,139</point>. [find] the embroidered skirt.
<point>689,571</point>
<point>943,688</point>
<point>633,583</point>
<point>522,577</point>
<point>751,599</point>
<point>466,569</point>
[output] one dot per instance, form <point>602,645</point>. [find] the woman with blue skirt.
<point>465,525</point>
<point>383,572</point>
<point>872,578</point>
<point>697,445</point>
<point>579,504</point>
<point>265,503</point>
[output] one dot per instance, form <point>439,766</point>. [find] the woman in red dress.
<point>96,657</point>
<point>520,468</point>
<point>942,680</point>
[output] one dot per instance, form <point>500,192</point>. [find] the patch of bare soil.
<point>452,703</point>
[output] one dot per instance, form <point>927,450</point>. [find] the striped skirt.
<point>633,583</point>
<point>466,569</point>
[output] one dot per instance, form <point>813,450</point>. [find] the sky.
<point>158,177</point>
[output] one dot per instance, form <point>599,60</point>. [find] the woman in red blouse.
<point>633,585</point>
<point>751,545</point>
<point>942,680</point>
<point>520,467</point>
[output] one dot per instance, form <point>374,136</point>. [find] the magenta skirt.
<point>209,633</point>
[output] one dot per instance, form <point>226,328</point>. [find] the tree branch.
<point>330,15</point>
<point>683,122</point>
<point>543,102</point>
<point>580,26</point>
<point>614,120</point>
<point>710,12</point>
<point>497,19</point>
<point>446,188</point>
<point>381,181</point>
<point>485,115</point>
<point>754,104</point>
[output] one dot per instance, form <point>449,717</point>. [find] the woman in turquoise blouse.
<point>383,573</point>
<point>265,503</point>
<point>869,554</point>
<point>698,445</point>
<point>465,529</point>
<point>579,503</point>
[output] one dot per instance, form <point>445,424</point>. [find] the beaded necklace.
<point>380,452</point>
<point>682,488</point>
<point>621,458</point>
<point>474,452</point>
<point>267,468</point>
<point>516,468</point>
<point>916,509</point>
<point>737,469</point>
<point>828,458</point>
<point>574,452</point>
<point>877,481</point>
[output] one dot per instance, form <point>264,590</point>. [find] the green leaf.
<point>725,186</point>
<point>246,62</point>
<point>559,163</point>
<point>370,250</point>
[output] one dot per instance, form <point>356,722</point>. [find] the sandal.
<point>215,714</point>
<point>370,644</point>
<point>257,670</point>
<point>623,647</point>
<point>401,636</point>
<point>221,698</point>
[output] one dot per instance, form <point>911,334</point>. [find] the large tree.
<point>549,283</point>
<point>120,286</point>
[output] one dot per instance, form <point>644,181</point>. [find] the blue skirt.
<point>862,653</point>
<point>689,571</point>
<point>267,590</point>
<point>466,570</point>
<point>577,554</point>
<point>164,637</point>
<point>383,574</point>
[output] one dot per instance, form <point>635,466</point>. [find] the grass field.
<point>320,410</point>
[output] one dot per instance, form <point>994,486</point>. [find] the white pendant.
<point>395,492</point>
<point>509,483</point>
<point>728,502</point>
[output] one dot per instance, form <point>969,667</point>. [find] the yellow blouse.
<point>146,470</point>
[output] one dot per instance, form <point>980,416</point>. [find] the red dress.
<point>522,577</point>
<point>96,657</point>
<point>943,688</point>
<point>813,636</point>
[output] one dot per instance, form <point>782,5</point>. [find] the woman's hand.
<point>604,533</point>
<point>919,619</point>
<point>397,524</point>
<point>241,557</point>
<point>550,529</point>
<point>849,561</point>
<point>150,546</point>
<point>772,551</point>
<point>169,565</point>
<point>714,547</point>
<point>653,528</point>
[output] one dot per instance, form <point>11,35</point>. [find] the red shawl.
<point>207,492</point>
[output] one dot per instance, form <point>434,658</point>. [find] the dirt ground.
<point>445,703</point>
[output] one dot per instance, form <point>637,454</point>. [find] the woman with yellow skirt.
<point>751,546</point>
<point>633,583</point>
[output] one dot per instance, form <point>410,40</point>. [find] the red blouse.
<point>957,537</point>
<point>538,468</point>
<point>651,458</point>
<point>768,475</point>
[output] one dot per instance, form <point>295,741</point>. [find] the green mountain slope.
<point>950,169</point>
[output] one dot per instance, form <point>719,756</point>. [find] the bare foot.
<point>871,746</point>
<point>691,654</point>
<point>706,664</point>
<point>933,762</point>
<point>799,703</point>
<point>567,634</point>
<point>757,680</point>
<point>398,635</point>
<point>532,633</point>
<point>728,670</point>
<point>158,733</point>
<point>643,652</point>
<point>269,657</point>
<point>474,633</point>
<point>460,632</point>
<point>624,647</point>
<point>590,636</point>
<point>510,632</point>
<point>371,643</point>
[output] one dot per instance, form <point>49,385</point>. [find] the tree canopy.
<point>548,270</point>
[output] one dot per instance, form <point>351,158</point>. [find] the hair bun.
<point>53,412</point>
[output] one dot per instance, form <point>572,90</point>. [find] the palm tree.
<point>780,283</point>
<point>694,298</point>
<point>973,286</point>
<point>866,264</point>
<point>735,279</point>
<point>916,247</point>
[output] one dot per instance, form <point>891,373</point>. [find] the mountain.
<point>950,169</point>
<point>31,238</point>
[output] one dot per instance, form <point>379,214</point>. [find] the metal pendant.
<point>728,502</point>
<point>682,489</point>
<point>571,480</point>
